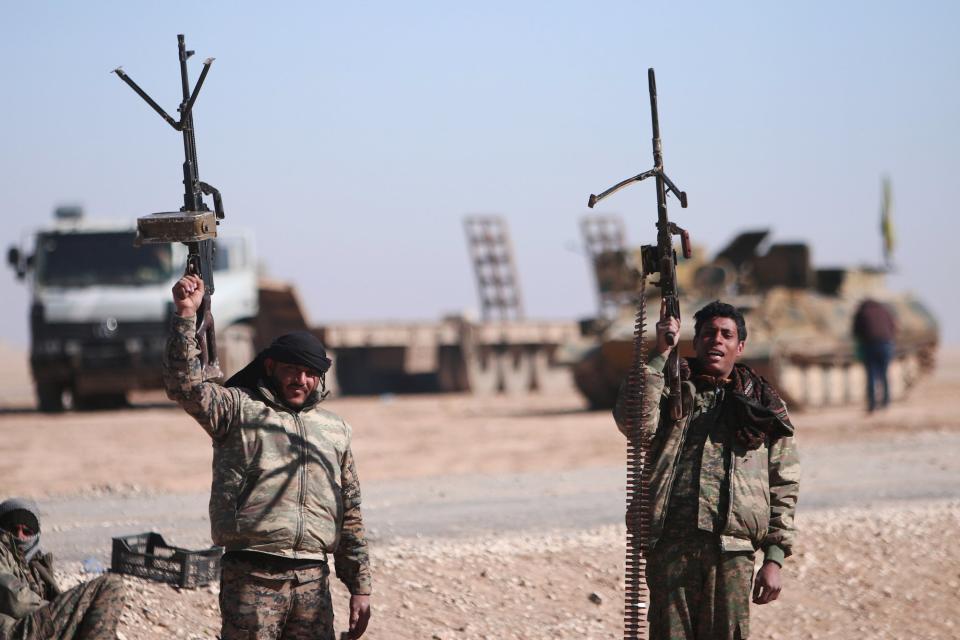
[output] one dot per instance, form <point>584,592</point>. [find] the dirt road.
<point>836,476</point>
<point>498,517</point>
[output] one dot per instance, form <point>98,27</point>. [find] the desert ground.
<point>501,517</point>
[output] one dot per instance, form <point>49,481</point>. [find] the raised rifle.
<point>662,258</point>
<point>194,225</point>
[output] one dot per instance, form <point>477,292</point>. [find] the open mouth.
<point>713,355</point>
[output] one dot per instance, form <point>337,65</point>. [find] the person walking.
<point>875,329</point>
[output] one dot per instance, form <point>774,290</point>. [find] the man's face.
<point>718,346</point>
<point>21,531</point>
<point>296,382</point>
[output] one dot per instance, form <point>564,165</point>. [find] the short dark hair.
<point>717,309</point>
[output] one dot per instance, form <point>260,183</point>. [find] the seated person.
<point>32,607</point>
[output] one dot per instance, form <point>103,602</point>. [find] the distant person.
<point>724,484</point>
<point>285,493</point>
<point>875,329</point>
<point>32,607</point>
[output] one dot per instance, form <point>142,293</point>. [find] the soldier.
<point>875,328</point>
<point>285,492</point>
<point>723,484</point>
<point>32,607</point>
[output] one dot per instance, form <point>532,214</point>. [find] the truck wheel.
<point>50,397</point>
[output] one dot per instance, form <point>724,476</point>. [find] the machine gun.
<point>194,225</point>
<point>661,258</point>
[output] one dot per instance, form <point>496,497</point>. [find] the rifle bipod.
<point>194,225</point>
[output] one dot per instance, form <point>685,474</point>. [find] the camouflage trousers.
<point>697,592</point>
<point>264,600</point>
<point>89,611</point>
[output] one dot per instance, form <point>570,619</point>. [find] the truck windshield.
<point>87,259</point>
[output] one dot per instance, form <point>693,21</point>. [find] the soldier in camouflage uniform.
<point>32,607</point>
<point>723,484</point>
<point>285,492</point>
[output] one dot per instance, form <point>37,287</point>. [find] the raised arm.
<point>215,407</point>
<point>655,378</point>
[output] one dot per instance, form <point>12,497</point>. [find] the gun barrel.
<point>652,82</point>
<point>184,54</point>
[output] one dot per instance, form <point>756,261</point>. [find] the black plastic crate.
<point>147,555</point>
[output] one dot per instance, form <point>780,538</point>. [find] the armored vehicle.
<point>100,307</point>
<point>799,321</point>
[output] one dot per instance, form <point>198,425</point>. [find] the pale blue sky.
<point>353,137</point>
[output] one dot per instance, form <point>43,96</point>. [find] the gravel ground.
<point>859,573</point>
<point>879,504</point>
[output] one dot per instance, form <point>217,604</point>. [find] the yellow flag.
<point>886,221</point>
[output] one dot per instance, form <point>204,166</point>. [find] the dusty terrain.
<point>877,566</point>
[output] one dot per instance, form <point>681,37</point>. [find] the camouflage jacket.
<point>747,495</point>
<point>24,587</point>
<point>284,481</point>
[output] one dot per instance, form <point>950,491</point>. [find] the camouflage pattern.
<point>284,481</point>
<point>746,495</point>
<point>23,587</point>
<point>41,569</point>
<point>697,591</point>
<point>698,479</point>
<point>33,608</point>
<point>89,611</point>
<point>724,483</point>
<point>265,601</point>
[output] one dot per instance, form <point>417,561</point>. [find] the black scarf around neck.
<point>751,402</point>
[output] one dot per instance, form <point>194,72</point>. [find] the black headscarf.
<point>300,348</point>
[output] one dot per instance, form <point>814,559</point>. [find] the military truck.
<point>100,307</point>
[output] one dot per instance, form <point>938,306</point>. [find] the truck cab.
<point>100,306</point>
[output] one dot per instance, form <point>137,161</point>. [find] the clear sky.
<point>352,137</point>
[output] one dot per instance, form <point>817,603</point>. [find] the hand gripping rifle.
<point>194,225</point>
<point>660,258</point>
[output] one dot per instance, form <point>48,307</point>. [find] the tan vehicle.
<point>799,322</point>
<point>502,352</point>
